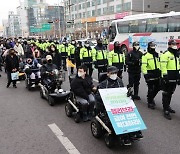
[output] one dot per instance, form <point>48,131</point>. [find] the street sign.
<point>46,26</point>
<point>43,28</point>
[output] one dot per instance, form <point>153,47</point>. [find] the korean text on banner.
<point>121,110</point>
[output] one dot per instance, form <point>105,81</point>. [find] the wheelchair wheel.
<point>68,110</point>
<point>27,85</point>
<point>96,128</point>
<point>41,94</point>
<point>51,101</point>
<point>109,140</point>
<point>77,117</point>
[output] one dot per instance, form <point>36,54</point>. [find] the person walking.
<point>12,66</point>
<point>170,74</point>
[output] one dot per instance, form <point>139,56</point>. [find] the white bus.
<point>145,28</point>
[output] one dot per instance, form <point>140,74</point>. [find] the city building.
<point>92,18</point>
<point>13,27</point>
<point>55,15</point>
<point>22,13</point>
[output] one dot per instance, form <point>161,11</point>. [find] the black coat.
<point>47,68</point>
<point>56,58</point>
<point>11,63</point>
<point>133,60</point>
<point>108,83</point>
<point>82,87</point>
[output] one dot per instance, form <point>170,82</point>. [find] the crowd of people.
<point>161,72</point>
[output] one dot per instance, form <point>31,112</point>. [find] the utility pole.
<point>59,14</point>
<point>86,20</point>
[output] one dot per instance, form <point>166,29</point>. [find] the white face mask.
<point>153,47</point>
<point>53,49</point>
<point>80,74</point>
<point>87,45</point>
<point>137,47</point>
<point>174,47</point>
<point>113,76</point>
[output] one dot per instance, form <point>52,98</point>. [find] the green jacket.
<point>170,65</point>
<point>115,58</point>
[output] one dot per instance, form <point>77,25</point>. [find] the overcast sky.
<point>10,5</point>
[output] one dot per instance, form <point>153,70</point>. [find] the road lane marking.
<point>64,140</point>
<point>95,80</point>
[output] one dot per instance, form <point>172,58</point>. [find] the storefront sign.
<point>107,17</point>
<point>121,15</point>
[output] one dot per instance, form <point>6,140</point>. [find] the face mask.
<point>64,43</point>
<point>113,76</point>
<point>86,45</point>
<point>153,47</point>
<point>77,45</point>
<point>53,49</point>
<point>80,74</point>
<point>73,42</point>
<point>50,61</point>
<point>136,47</point>
<point>174,47</point>
<point>1,45</point>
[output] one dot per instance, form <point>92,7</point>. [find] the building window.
<point>83,5</point>
<point>93,3</point>
<point>79,6</point>
<point>105,10</point>
<point>99,12</point>
<point>88,4</point>
<point>104,1</point>
<point>84,15</point>
<point>111,9</point>
<point>127,6</point>
<point>88,13</point>
<point>93,12</point>
<point>119,8</point>
<point>98,2</point>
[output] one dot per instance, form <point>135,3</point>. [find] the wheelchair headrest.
<point>102,76</point>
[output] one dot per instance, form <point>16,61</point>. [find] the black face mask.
<point>50,61</point>
<point>100,44</point>
<point>173,51</point>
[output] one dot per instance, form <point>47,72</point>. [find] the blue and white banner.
<point>121,110</point>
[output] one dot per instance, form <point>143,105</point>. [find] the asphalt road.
<point>24,120</point>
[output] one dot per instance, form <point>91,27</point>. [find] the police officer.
<point>71,52</point>
<point>86,56</point>
<point>100,57</point>
<point>170,73</point>
<point>152,73</point>
<point>117,58</point>
<point>134,68</point>
<point>63,49</point>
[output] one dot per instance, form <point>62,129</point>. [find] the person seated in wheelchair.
<point>82,86</point>
<point>113,81</point>
<point>47,75</point>
<point>32,70</point>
